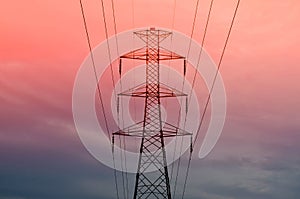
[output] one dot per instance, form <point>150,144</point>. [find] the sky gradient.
<point>43,43</point>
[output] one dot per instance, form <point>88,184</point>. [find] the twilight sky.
<point>43,43</point>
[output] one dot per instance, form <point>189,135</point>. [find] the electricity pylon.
<point>152,130</point>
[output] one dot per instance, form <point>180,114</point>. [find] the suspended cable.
<point>187,173</point>
<point>218,69</point>
<point>115,171</point>
<point>168,77</point>
<point>183,83</point>
<point>201,50</point>
<point>191,37</point>
<point>211,90</point>
<point>94,69</point>
<point>122,116</point>
<point>171,43</point>
<point>118,53</point>
<point>193,28</point>
<point>194,77</point>
<point>108,46</point>
<point>110,60</point>
<point>99,91</point>
<point>115,25</point>
<point>122,173</point>
<point>133,60</point>
<point>178,166</point>
<point>126,171</point>
<point>133,64</point>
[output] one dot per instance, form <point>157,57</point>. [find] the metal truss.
<point>152,130</point>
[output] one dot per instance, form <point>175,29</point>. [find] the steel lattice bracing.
<point>152,147</point>
<point>152,130</point>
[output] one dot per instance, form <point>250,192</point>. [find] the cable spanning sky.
<point>43,44</point>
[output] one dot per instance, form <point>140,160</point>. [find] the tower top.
<point>152,32</point>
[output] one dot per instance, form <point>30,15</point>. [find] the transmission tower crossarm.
<point>143,54</point>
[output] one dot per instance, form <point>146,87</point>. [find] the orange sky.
<point>43,43</point>
<point>47,38</point>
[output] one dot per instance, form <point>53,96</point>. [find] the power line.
<point>108,46</point>
<point>115,172</point>
<point>171,37</point>
<point>193,27</point>
<point>168,77</point>
<point>194,79</point>
<point>112,74</point>
<point>122,173</point>
<point>218,68</point>
<point>210,92</point>
<point>200,53</point>
<point>115,25</point>
<point>118,53</point>
<point>98,89</point>
<point>94,68</point>
<point>191,38</point>
<point>183,82</point>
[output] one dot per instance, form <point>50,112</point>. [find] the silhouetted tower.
<point>152,130</point>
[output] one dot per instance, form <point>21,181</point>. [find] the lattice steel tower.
<point>152,130</point>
